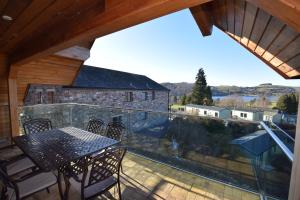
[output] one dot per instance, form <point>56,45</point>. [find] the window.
<point>146,96</point>
<point>153,95</point>
<point>243,115</point>
<point>205,112</point>
<point>128,96</point>
<point>117,119</point>
<point>216,114</point>
<point>50,97</point>
<point>38,98</point>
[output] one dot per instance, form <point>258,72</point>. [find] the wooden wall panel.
<point>4,109</point>
<point>50,70</point>
<point>4,122</point>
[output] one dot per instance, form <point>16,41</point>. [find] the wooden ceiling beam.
<point>203,17</point>
<point>286,11</point>
<point>93,23</point>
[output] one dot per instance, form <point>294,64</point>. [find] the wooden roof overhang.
<point>269,29</point>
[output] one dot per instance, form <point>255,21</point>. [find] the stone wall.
<point>141,99</point>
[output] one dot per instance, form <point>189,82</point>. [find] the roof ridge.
<point>113,70</point>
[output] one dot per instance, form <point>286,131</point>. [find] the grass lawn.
<point>176,106</point>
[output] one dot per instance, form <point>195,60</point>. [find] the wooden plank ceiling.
<point>40,28</point>
<point>268,30</point>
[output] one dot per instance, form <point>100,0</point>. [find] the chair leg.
<point>59,184</point>
<point>122,169</point>
<point>48,190</point>
<point>119,190</point>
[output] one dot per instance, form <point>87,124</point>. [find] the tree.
<point>189,99</point>
<point>262,102</point>
<point>252,102</point>
<point>208,98</point>
<point>232,101</point>
<point>201,93</point>
<point>183,100</point>
<point>175,99</point>
<point>288,103</point>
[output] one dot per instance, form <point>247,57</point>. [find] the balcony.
<point>184,156</point>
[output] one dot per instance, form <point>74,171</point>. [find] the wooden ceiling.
<point>268,30</point>
<point>41,27</point>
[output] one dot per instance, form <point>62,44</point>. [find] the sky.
<point>172,49</point>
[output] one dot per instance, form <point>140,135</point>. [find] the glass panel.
<point>284,136</point>
<point>235,152</point>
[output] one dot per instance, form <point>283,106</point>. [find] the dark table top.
<point>52,149</point>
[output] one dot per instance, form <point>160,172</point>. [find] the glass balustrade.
<point>238,153</point>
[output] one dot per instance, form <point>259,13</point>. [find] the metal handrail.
<point>286,134</point>
<point>282,146</point>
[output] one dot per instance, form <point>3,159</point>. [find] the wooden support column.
<point>294,193</point>
<point>13,100</point>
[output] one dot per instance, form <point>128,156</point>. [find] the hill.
<point>179,89</point>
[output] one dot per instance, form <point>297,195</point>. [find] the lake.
<point>246,98</point>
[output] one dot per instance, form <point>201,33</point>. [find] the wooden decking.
<point>145,179</point>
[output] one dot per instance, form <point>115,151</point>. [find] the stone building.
<point>106,88</point>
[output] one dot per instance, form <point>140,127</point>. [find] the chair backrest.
<point>96,126</point>
<point>104,165</point>
<point>114,130</point>
<point>37,126</point>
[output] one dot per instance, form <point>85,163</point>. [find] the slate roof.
<point>255,143</point>
<point>206,107</point>
<point>95,77</point>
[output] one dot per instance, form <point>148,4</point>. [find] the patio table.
<point>54,149</point>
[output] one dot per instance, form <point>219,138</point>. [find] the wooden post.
<point>13,100</point>
<point>294,193</point>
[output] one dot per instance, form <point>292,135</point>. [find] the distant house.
<point>247,114</point>
<point>209,111</point>
<point>106,88</point>
<point>272,115</point>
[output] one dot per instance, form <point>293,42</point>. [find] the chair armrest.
<point>27,176</point>
<point>13,159</point>
<point>8,146</point>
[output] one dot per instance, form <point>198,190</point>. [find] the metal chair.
<point>37,126</point>
<point>114,130</point>
<point>100,174</point>
<point>96,126</point>
<point>16,162</point>
<point>25,187</point>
